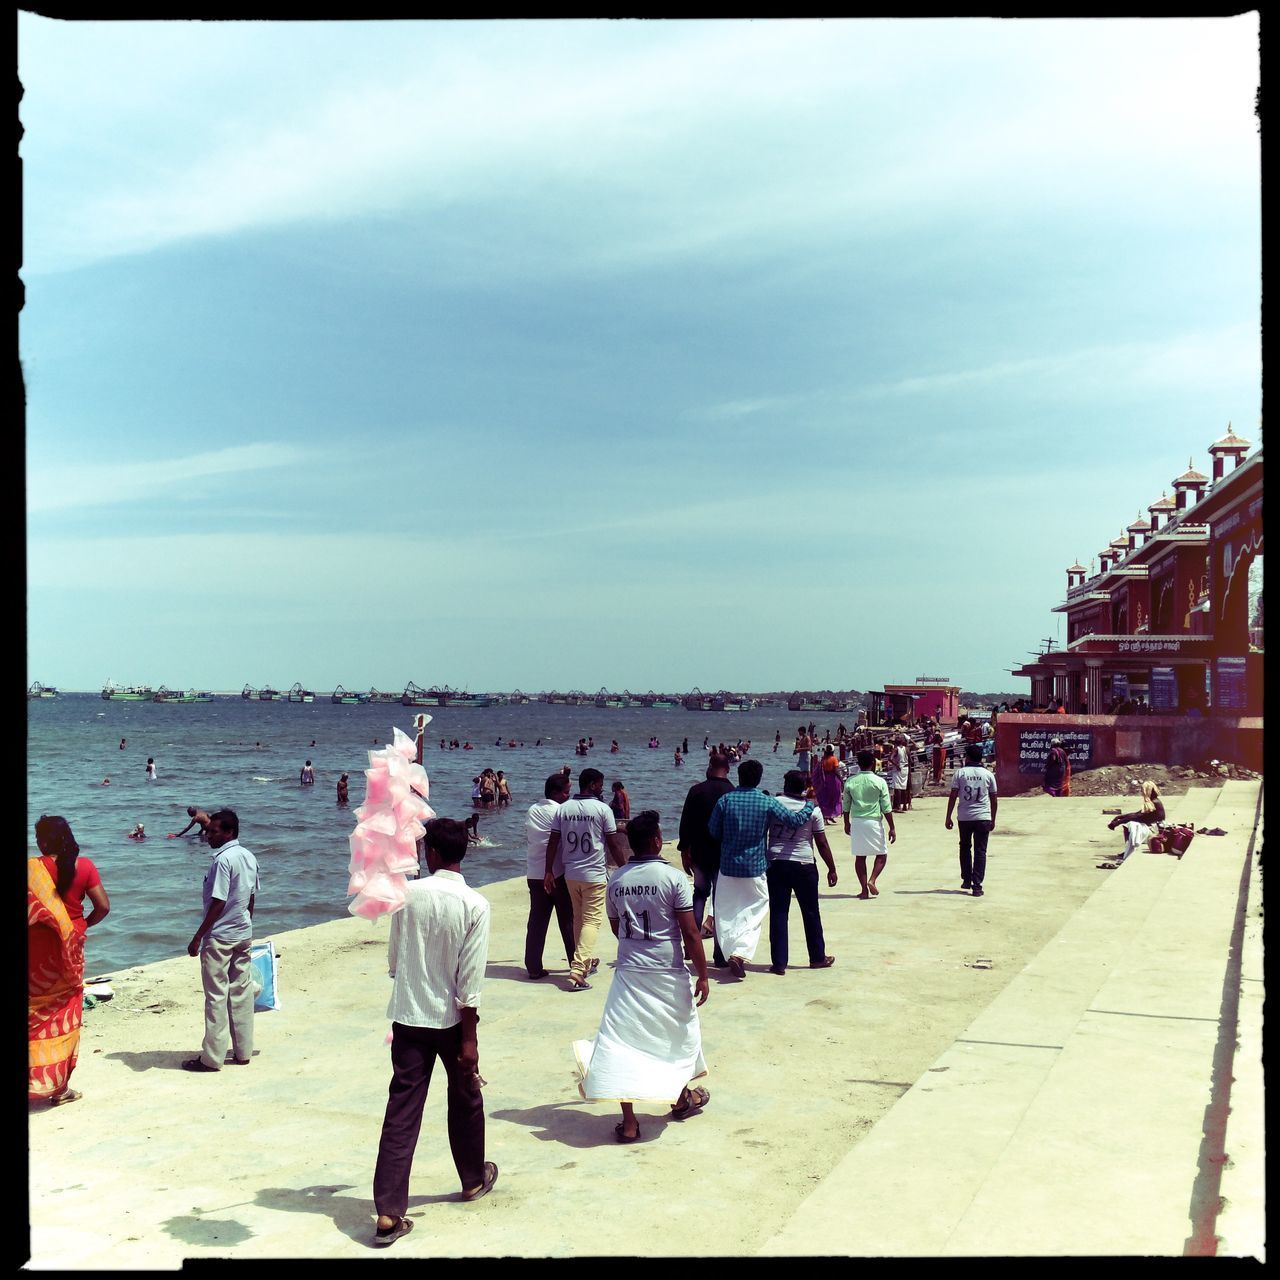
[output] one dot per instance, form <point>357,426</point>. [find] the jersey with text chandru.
<point>643,897</point>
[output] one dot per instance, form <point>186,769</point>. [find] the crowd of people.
<point>745,854</point>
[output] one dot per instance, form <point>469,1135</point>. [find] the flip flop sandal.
<point>579,986</point>
<point>196,1064</point>
<point>67,1095</point>
<point>622,1137</point>
<point>1108,866</point>
<point>490,1177</point>
<point>402,1228</point>
<point>691,1102</point>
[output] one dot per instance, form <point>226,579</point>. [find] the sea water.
<point>246,755</point>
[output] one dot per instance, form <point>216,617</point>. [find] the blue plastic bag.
<point>266,992</point>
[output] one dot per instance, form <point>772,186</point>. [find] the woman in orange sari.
<point>57,883</point>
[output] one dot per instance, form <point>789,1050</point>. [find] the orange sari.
<point>55,986</point>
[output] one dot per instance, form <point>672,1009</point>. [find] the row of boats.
<point>414,695</point>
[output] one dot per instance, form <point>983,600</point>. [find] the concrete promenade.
<point>1045,1070</point>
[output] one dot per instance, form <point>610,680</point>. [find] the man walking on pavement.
<point>699,849</point>
<point>740,821</point>
<point>436,956</point>
<point>974,786</point>
<point>537,830</point>
<point>585,833</point>
<point>792,868</point>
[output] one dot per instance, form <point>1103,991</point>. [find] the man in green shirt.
<point>867,807</point>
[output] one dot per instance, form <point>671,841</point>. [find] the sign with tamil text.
<point>1164,689</point>
<point>1161,644</point>
<point>1231,686</point>
<point>1033,747</point>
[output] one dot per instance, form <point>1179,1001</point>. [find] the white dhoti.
<point>742,902</point>
<point>1136,835</point>
<point>896,779</point>
<point>649,1045</point>
<point>866,837</point>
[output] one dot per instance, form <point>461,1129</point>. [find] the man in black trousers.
<point>436,955</point>
<point>699,849</point>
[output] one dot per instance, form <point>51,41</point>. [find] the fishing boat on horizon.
<point>163,694</point>
<point>348,699</point>
<point>39,690</point>
<point>130,693</point>
<point>381,698</point>
<point>299,694</point>
<point>268,694</point>
<point>415,695</point>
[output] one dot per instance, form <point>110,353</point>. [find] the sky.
<point>745,355</point>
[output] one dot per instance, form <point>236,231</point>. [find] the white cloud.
<point>646,139</point>
<point>113,483</point>
<point>1224,356</point>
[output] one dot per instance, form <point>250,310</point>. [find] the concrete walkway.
<point>1077,1112</point>
<point>908,1100</point>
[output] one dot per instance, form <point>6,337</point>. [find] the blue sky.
<point>746,355</point>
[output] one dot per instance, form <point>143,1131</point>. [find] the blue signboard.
<point>1164,689</point>
<point>1231,689</point>
<point>1033,747</point>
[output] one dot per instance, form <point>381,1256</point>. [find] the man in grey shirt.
<point>223,942</point>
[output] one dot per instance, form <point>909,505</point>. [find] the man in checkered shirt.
<point>740,821</point>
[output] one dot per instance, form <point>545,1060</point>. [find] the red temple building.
<point>1170,624</point>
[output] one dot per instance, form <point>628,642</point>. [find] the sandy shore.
<point>275,1160</point>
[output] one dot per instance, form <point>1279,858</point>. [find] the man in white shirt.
<point>436,954</point>
<point>792,867</point>
<point>537,831</point>
<point>223,942</point>
<point>583,832</point>
<point>975,788</point>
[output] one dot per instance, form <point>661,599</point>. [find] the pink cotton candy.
<point>401,862</point>
<point>402,744</point>
<point>418,780</point>
<point>408,810</point>
<point>376,789</point>
<point>383,894</point>
<point>357,882</point>
<point>384,823</point>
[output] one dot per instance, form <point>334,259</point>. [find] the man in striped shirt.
<point>740,821</point>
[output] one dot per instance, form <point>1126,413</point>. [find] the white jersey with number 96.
<point>583,823</point>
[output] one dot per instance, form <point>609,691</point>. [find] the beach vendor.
<point>436,956</point>
<point>57,883</point>
<point>867,808</point>
<point>649,1045</point>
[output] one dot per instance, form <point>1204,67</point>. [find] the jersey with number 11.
<point>643,897</point>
